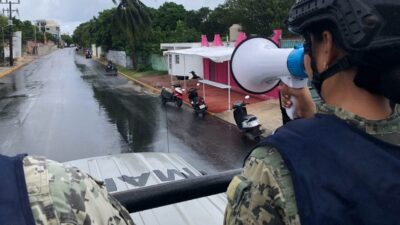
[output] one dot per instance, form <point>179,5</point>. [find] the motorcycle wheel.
<point>201,114</point>
<point>179,103</point>
<point>163,101</point>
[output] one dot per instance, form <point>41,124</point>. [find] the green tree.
<point>27,29</point>
<point>82,34</point>
<point>194,18</point>
<point>133,19</point>
<point>259,16</point>
<point>68,39</point>
<point>167,15</point>
<point>217,21</point>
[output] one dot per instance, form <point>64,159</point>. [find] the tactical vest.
<point>15,208</point>
<point>341,175</point>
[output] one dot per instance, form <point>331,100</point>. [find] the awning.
<point>215,84</point>
<point>216,54</point>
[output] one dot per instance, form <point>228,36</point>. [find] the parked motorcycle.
<point>88,54</point>
<point>197,102</point>
<point>111,69</point>
<point>247,123</point>
<point>175,95</point>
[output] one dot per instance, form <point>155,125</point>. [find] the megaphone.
<point>258,65</point>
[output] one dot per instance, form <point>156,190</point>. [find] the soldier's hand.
<point>305,105</point>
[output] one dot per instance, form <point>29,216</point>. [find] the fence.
<point>158,62</point>
<point>120,58</point>
<point>290,43</point>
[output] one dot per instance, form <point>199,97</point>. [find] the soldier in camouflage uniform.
<point>60,195</point>
<point>264,193</point>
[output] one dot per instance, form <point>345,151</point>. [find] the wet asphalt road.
<point>64,107</point>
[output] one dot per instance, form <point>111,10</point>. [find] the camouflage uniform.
<point>65,196</point>
<point>264,193</point>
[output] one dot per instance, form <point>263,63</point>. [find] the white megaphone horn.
<point>258,65</point>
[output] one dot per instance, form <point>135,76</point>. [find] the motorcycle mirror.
<point>247,97</point>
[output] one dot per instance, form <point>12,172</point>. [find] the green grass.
<point>137,74</point>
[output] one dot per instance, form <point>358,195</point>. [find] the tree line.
<point>133,27</point>
<point>30,32</point>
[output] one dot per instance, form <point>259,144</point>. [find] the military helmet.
<point>359,24</point>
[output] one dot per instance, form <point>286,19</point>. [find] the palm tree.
<point>133,18</point>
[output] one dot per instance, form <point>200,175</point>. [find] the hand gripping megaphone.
<point>258,65</point>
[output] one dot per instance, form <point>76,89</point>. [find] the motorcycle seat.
<point>249,118</point>
<point>166,93</point>
<point>239,104</point>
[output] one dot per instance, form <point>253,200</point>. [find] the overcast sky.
<point>71,13</point>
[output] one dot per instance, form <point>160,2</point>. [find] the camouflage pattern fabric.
<point>65,196</point>
<point>264,193</point>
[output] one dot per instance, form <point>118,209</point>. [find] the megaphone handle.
<point>291,112</point>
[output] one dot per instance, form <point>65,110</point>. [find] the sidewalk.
<point>6,70</point>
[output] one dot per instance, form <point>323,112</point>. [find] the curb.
<point>13,69</point>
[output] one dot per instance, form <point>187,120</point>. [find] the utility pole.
<point>10,23</point>
<point>36,47</point>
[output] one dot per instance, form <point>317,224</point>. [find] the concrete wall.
<point>17,46</point>
<point>158,62</point>
<point>99,52</point>
<point>120,58</point>
<point>94,51</point>
<point>185,65</point>
<point>44,49</point>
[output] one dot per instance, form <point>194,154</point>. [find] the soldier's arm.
<point>63,195</point>
<point>263,193</point>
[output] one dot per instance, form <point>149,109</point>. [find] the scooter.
<point>197,102</point>
<point>175,95</point>
<point>88,55</point>
<point>111,69</point>
<point>247,123</point>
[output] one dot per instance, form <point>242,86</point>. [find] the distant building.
<point>50,27</point>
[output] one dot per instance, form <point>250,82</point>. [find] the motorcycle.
<point>88,54</point>
<point>197,102</point>
<point>247,123</point>
<point>175,95</point>
<point>111,69</point>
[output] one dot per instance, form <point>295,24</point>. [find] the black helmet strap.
<point>319,78</point>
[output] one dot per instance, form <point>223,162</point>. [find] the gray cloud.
<point>70,13</point>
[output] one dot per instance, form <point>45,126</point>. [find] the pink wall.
<point>221,71</point>
<point>206,68</point>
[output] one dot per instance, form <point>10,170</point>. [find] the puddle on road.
<point>87,74</point>
<point>134,116</point>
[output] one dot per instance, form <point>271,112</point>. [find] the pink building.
<point>215,60</point>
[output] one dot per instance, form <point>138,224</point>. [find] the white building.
<point>49,27</point>
<point>17,46</point>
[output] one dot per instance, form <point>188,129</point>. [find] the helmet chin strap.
<point>319,78</point>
